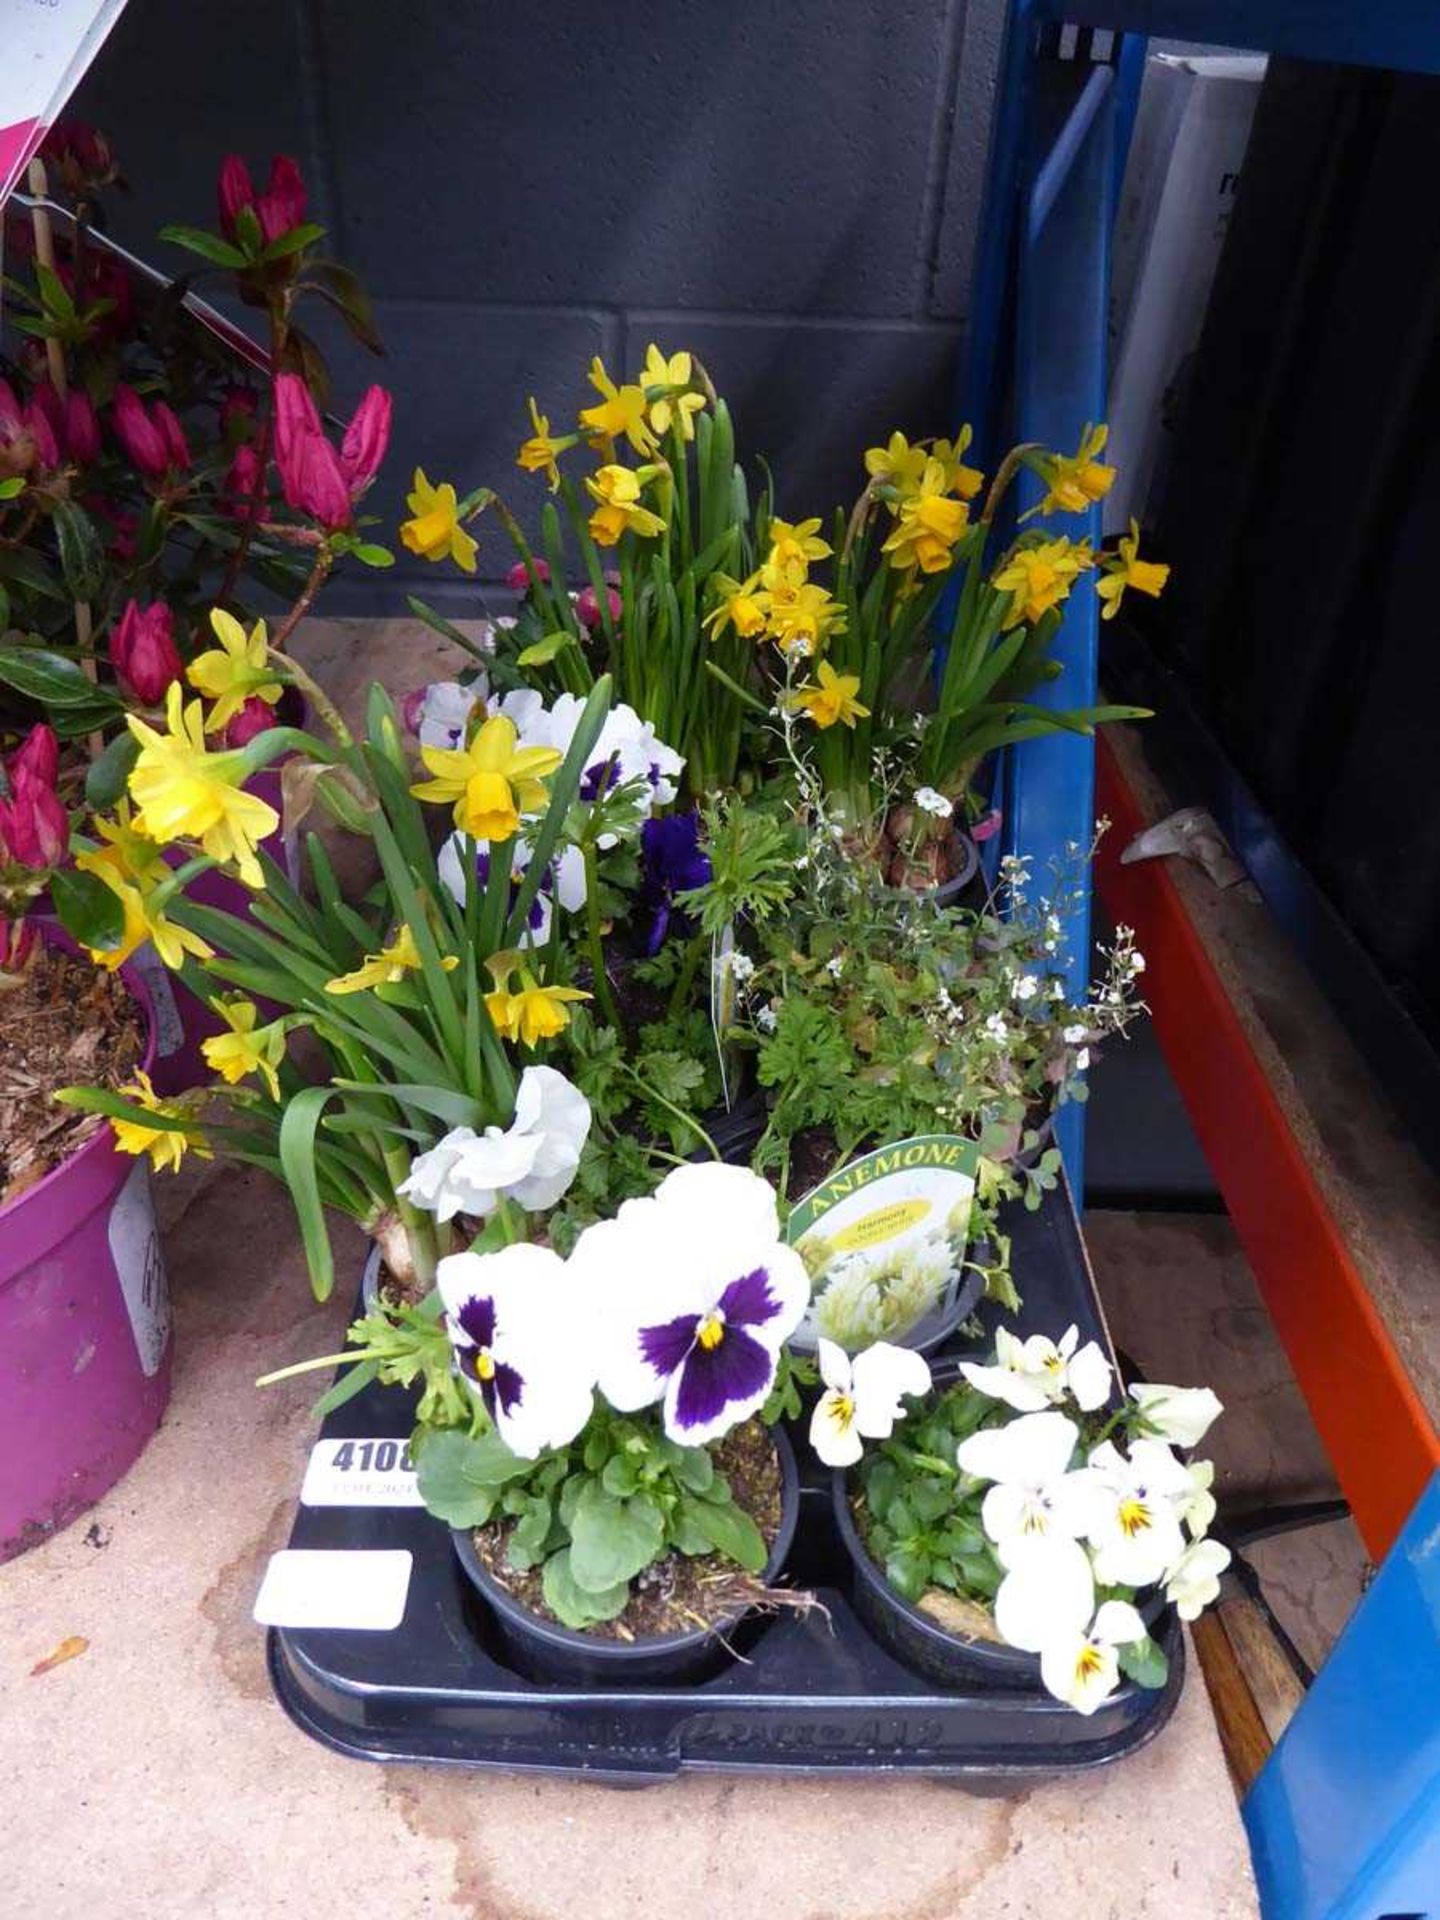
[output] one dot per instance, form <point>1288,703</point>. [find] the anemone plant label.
<point>883,1239</point>
<point>169,1029</point>
<point>360,1473</point>
<point>140,1268</point>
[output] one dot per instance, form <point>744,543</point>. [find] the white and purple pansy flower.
<point>522,1337</point>
<point>563,885</point>
<point>628,749</point>
<point>695,1296</point>
<point>439,715</point>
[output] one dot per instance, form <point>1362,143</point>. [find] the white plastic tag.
<point>354,1587</point>
<point>360,1473</point>
<point>140,1267</point>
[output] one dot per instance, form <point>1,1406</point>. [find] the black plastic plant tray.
<point>809,1693</point>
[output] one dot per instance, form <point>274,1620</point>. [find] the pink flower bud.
<point>47,446</point>
<point>82,428</point>
<point>34,826</point>
<point>282,205</point>
<point>588,607</point>
<point>241,494</point>
<point>519,575</point>
<point>308,465</point>
<point>366,439</point>
<point>143,652</point>
<point>19,944</point>
<point>254,717</point>
<point>37,756</point>
<point>235,190</point>
<point>153,440</point>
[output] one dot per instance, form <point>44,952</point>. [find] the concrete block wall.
<point>790,190</point>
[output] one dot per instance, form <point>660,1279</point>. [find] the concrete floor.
<point>153,1777</point>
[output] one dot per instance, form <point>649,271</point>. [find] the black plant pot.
<point>949,1659</point>
<point>545,1650</point>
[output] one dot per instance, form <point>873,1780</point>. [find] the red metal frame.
<point>1382,1443</point>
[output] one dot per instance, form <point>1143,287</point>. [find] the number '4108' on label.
<point>360,1473</point>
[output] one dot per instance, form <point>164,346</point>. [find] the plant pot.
<point>85,1345</point>
<point>912,1636</point>
<point>545,1650</point>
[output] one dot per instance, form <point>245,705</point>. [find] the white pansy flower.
<point>700,1294</point>
<point>442,713</point>
<point>532,1161</point>
<point>1047,1595</point>
<point>1039,1372</point>
<point>1035,1496</point>
<point>862,1397</point>
<point>1083,1669</point>
<point>1135,1526</point>
<point>1193,1583</point>
<point>933,802</point>
<point>1182,1415</point>
<point>523,1340</point>
<point>1196,1506</point>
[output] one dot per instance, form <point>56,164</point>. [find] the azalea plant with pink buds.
<point>146,474</point>
<point>34,836</point>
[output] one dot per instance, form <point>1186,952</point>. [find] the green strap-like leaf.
<point>297,1159</point>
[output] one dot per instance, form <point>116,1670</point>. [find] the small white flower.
<point>934,802</point>
<point>740,964</point>
<point>1057,989</point>
<point>835,966</point>
<point>766,1019</point>
<point>1026,987</point>
<point>995,1026</point>
<point>444,711</point>
<point>1082,1060</point>
<point>1135,1527</point>
<point>1039,1372</point>
<point>1193,1582</point>
<point>1196,1507</point>
<point>1072,1036</point>
<point>1182,1415</point>
<point>862,1397</point>
<point>802,862</point>
<point>1137,963</point>
<point>1035,1497</point>
<point>532,1161</point>
<point>1083,1669</point>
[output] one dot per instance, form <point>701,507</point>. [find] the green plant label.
<point>884,1241</point>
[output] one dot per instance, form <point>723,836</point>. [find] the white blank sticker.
<point>360,1473</point>
<point>356,1587</point>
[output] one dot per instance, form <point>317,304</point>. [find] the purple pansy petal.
<point>749,1301</point>
<point>673,863</point>
<point>665,1347</point>
<point>735,1369</point>
<point>477,1321</point>
<point>508,1387</point>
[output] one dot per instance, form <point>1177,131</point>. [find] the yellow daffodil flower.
<point>966,481</point>
<point>491,779</point>
<point>541,452</point>
<point>832,698</point>
<point>245,1048</point>
<point>621,412</point>
<point>792,548</point>
<point>386,968</point>
<point>928,522</point>
<point>184,791</point>
<point>1127,569</point>
<point>531,1013</point>
<point>143,920</point>
<point>436,533</point>
<point>124,850</point>
<point>897,464</point>
<point>675,405</point>
<point>740,606</point>
<point>1039,577</point>
<point>617,489</point>
<point>166,1146</point>
<point>802,618</point>
<point>1075,481</point>
<point>235,671</point>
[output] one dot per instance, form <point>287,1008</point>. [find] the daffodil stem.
<point>686,975</point>
<point>595,947</point>
<point>1004,474</point>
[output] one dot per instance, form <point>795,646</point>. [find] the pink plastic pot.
<point>85,1346</point>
